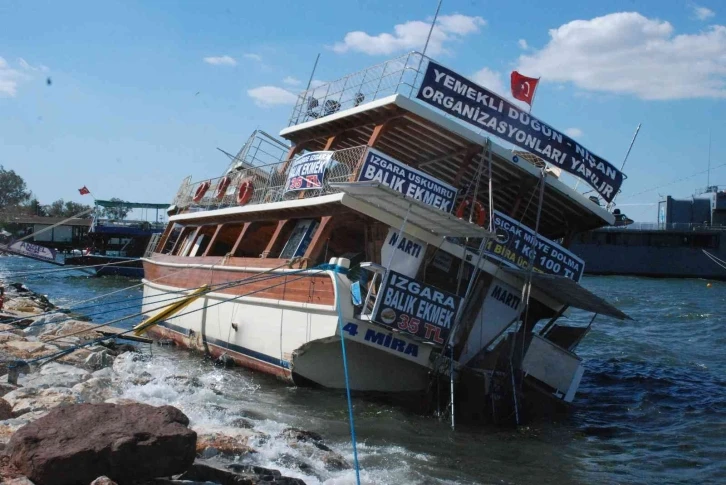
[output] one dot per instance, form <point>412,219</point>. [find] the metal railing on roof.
<point>402,75</point>
<point>674,226</point>
<point>267,183</point>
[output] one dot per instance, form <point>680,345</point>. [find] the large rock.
<point>6,410</point>
<point>241,475</point>
<point>55,374</point>
<point>76,444</point>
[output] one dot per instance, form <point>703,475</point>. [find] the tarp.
<point>130,205</point>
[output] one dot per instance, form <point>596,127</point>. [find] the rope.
<point>715,259</point>
<point>71,268</point>
<point>347,383</point>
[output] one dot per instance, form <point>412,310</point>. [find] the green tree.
<point>61,208</point>
<point>118,212</point>
<point>13,190</point>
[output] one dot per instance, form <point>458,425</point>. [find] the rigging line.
<point>715,259</point>
<point>674,181</point>
<point>69,268</point>
<point>347,381</point>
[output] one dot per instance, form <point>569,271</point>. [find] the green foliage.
<point>116,213</point>
<point>13,190</point>
<point>61,208</point>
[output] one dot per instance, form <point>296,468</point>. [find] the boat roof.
<point>426,139</point>
<point>130,205</point>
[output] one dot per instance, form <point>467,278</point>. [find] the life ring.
<point>480,217</point>
<point>222,187</point>
<point>245,192</point>
<point>201,190</point>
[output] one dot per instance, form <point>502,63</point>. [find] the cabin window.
<point>225,240</point>
<point>202,240</point>
<point>184,242</point>
<point>171,240</point>
<point>346,241</point>
<point>255,240</point>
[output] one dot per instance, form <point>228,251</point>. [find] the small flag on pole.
<point>84,190</point>
<point>523,87</point>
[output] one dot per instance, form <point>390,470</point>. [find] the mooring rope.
<point>715,259</point>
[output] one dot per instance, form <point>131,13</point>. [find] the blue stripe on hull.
<point>284,364</point>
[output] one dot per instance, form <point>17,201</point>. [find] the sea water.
<point>651,407</point>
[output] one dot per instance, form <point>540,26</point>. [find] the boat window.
<point>185,240</point>
<point>174,234</point>
<point>255,240</point>
<point>299,238</point>
<point>201,241</point>
<point>346,240</point>
<point>226,237</point>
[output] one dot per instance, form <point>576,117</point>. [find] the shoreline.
<point>96,375</point>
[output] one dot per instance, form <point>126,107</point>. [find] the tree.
<point>118,212</point>
<point>61,208</point>
<point>13,190</point>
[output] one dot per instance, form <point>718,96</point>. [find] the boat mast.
<point>310,81</point>
<point>627,154</point>
<point>708,173</point>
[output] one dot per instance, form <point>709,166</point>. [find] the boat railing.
<point>267,183</point>
<point>657,226</point>
<point>402,75</point>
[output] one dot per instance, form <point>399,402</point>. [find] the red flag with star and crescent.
<point>83,190</point>
<point>523,87</point>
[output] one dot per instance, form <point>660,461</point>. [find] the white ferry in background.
<point>388,205</point>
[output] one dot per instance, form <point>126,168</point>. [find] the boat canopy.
<point>130,205</point>
<point>569,292</point>
<point>431,220</point>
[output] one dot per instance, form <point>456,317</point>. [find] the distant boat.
<point>674,247</point>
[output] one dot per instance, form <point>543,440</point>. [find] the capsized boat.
<point>390,207</point>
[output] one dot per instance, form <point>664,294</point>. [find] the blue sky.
<point>143,92</point>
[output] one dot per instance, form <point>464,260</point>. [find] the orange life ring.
<point>480,217</point>
<point>201,190</point>
<point>222,187</point>
<point>244,194</point>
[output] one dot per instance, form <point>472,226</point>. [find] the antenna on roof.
<point>310,81</point>
<point>431,30</point>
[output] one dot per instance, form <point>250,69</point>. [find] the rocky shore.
<point>66,421</point>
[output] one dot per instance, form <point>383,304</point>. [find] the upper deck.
<point>378,107</point>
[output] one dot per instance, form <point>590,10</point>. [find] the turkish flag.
<point>523,87</point>
<point>83,190</point>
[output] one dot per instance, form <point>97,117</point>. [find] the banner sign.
<point>307,171</point>
<point>485,110</point>
<point>409,252</point>
<point>34,251</point>
<point>501,306</point>
<point>413,183</point>
<point>516,244</point>
<point>416,308</point>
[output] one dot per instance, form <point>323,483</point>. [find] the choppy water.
<point>651,407</point>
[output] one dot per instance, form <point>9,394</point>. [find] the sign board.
<point>500,308</point>
<point>410,182</point>
<point>415,307</point>
<point>300,238</point>
<point>469,102</point>
<point>516,244</point>
<point>34,251</point>
<point>307,171</point>
<point>409,253</point>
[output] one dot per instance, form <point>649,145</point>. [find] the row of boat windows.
<point>704,241</point>
<point>256,240</point>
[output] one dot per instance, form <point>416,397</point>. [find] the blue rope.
<point>347,382</point>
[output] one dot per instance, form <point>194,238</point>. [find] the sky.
<point>129,97</point>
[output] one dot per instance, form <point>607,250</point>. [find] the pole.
<point>708,176</point>
<point>627,154</point>
<point>315,66</point>
<point>431,30</point>
<point>531,105</point>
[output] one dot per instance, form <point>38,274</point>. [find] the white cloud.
<point>412,35</point>
<point>491,80</point>
<point>9,79</point>
<point>254,57</point>
<point>523,44</point>
<point>291,81</point>
<point>272,95</point>
<point>627,53</point>
<point>702,13</point>
<point>221,61</point>
<point>28,67</point>
<point>573,132</point>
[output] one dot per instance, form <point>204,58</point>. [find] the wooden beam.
<point>471,153</point>
<point>321,235</point>
<point>331,141</point>
<point>214,236</point>
<point>239,238</point>
<point>273,240</point>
